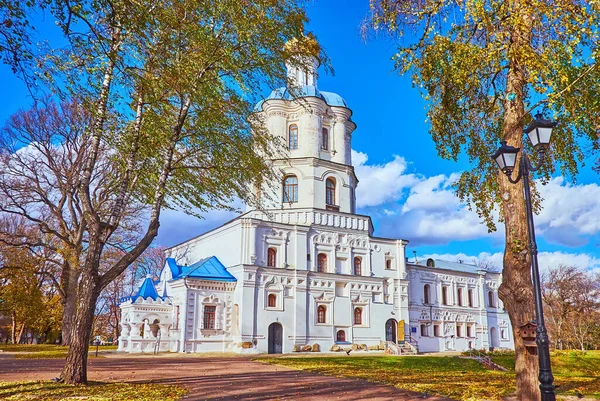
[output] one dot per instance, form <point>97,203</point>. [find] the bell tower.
<point>316,127</point>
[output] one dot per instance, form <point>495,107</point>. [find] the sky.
<point>404,186</point>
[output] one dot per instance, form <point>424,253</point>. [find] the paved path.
<point>215,378</point>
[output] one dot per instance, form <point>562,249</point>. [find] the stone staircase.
<point>403,348</point>
<point>485,360</point>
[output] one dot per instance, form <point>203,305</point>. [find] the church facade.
<point>307,272</point>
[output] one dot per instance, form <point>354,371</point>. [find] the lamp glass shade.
<point>539,132</point>
<point>506,157</point>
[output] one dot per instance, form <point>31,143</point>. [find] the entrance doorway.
<point>390,330</point>
<point>275,338</point>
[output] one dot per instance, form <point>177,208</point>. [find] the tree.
<point>572,299</point>
<point>483,67</point>
<point>167,87</point>
<point>26,294</point>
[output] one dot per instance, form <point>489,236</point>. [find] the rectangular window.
<point>459,296</point>
<point>176,322</point>
<point>209,317</point>
<point>436,330</point>
<point>458,331</point>
<point>444,295</point>
<point>469,331</point>
<point>470,293</point>
<point>325,139</point>
<point>423,330</point>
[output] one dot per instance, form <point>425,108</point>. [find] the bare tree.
<point>572,301</point>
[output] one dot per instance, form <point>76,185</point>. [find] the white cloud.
<point>570,212</point>
<point>380,183</point>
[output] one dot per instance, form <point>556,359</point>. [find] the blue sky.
<point>404,185</point>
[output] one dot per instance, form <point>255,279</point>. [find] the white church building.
<point>307,273</point>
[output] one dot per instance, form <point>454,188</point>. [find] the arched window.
<point>358,316</point>
<point>290,189</point>
<point>321,314</point>
<point>341,336</point>
<point>325,139</point>
<point>322,263</point>
<point>444,295</point>
<point>459,296</point>
<point>293,137</point>
<point>357,266</point>
<point>491,299</point>
<point>330,191</point>
<point>271,257</point>
<point>430,263</point>
<point>388,264</point>
<point>426,294</point>
<point>272,300</point>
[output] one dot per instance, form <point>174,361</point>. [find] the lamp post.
<point>539,132</point>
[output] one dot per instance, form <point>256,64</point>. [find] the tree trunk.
<point>69,282</point>
<point>516,290</point>
<point>13,331</point>
<point>20,335</point>
<point>75,370</point>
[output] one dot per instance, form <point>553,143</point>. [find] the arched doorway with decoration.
<point>391,327</point>
<point>275,338</point>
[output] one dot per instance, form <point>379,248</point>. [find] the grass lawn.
<point>462,379</point>
<point>39,391</point>
<point>40,351</point>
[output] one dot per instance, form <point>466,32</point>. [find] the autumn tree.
<point>167,86</point>
<point>484,67</point>
<point>572,301</point>
<point>27,296</point>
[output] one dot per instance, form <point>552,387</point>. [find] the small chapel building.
<point>307,269</point>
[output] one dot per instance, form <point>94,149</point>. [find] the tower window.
<point>272,300</point>
<point>290,189</point>
<point>322,263</point>
<point>357,316</point>
<point>321,314</point>
<point>271,257</point>
<point>357,266</point>
<point>330,191</point>
<point>491,299</point>
<point>293,137</point>
<point>325,139</point>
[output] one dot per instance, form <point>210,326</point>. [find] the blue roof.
<point>207,269</point>
<point>332,99</point>
<point>147,290</point>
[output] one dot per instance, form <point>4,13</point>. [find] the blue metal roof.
<point>147,290</point>
<point>207,269</point>
<point>332,99</point>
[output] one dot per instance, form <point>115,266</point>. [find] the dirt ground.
<point>214,378</point>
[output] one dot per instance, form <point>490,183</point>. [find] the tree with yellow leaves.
<point>484,67</point>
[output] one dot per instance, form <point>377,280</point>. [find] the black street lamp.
<point>539,132</point>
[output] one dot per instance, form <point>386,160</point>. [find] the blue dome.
<point>332,99</point>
